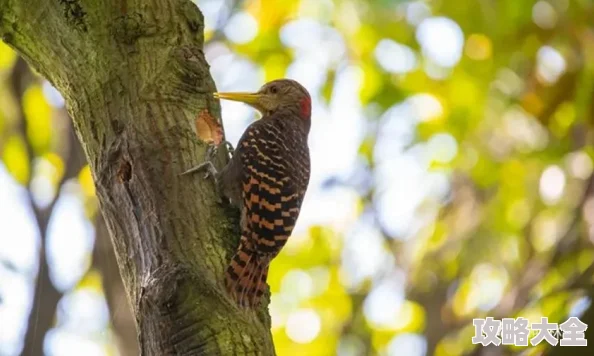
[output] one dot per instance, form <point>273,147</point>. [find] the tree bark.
<point>134,78</point>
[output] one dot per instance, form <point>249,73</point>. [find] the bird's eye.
<point>273,89</point>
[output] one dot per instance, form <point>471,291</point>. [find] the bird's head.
<point>281,94</point>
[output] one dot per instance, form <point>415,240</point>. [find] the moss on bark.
<point>134,77</point>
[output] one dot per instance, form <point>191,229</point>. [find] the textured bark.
<point>134,78</point>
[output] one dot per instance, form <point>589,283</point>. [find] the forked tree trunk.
<point>134,78</point>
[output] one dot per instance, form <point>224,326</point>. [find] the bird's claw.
<point>207,166</point>
<point>212,151</point>
<point>210,169</point>
<point>208,174</point>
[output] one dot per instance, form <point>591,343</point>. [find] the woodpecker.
<point>267,178</point>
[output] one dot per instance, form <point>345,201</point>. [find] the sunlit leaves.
<point>465,93</point>
<point>478,47</point>
<point>16,159</point>
<point>456,343</point>
<point>48,171</point>
<point>579,164</point>
<point>394,57</point>
<point>364,41</point>
<point>310,325</point>
<point>7,56</point>
<point>563,119</point>
<point>481,290</point>
<point>441,40</point>
<point>366,149</point>
<point>518,212</point>
<point>57,164</point>
<point>484,173</point>
<point>484,126</point>
<point>87,186</point>
<point>270,14</point>
<point>547,229</point>
<point>411,318</point>
<point>38,116</point>
<point>275,65</point>
<point>372,83</point>
<point>86,181</point>
<point>544,15</point>
<point>488,106</point>
<point>328,87</point>
<point>91,280</point>
<point>442,148</point>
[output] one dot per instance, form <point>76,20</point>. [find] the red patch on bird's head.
<point>305,106</point>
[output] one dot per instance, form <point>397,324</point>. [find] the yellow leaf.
<point>56,162</point>
<point>276,65</point>
<point>411,317</point>
<point>448,346</point>
<point>347,18</point>
<point>365,40</point>
<point>16,159</point>
<point>415,81</point>
<point>85,179</point>
<point>92,280</point>
<point>532,103</point>
<point>381,338</point>
<point>271,14</point>
<point>464,92</point>
<point>7,56</point>
<point>460,301</point>
<point>563,119</point>
<point>38,116</point>
<point>479,47</point>
<point>438,237</point>
<point>2,120</point>
<point>372,83</point>
<point>208,34</point>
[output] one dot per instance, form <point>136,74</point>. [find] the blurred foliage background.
<point>452,178</point>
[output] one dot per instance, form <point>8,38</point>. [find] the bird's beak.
<point>249,98</point>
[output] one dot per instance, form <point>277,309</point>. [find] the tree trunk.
<point>134,78</point>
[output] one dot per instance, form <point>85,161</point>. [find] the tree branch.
<point>104,260</point>
<point>46,296</point>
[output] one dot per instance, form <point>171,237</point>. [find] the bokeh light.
<point>451,177</point>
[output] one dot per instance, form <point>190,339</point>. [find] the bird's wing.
<point>274,176</point>
<point>272,193</point>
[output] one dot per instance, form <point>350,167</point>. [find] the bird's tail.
<point>245,278</point>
